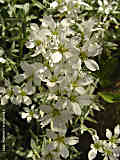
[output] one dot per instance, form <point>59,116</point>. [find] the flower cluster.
<point>60,86</point>
<point>67,46</point>
<point>109,148</point>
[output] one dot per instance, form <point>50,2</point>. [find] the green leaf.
<point>38,4</point>
<point>91,120</point>
<point>110,97</point>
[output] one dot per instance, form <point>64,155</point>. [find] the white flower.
<point>30,113</point>
<point>56,57</point>
<point>37,34</point>
<point>56,116</point>
<point>87,27</point>
<point>59,142</point>
<point>34,71</point>
<point>91,49</point>
<point>21,94</point>
<point>29,89</point>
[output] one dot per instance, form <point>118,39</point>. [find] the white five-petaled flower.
<point>29,113</point>
<point>22,94</point>
<point>59,141</point>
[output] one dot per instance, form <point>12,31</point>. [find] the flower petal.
<point>92,154</point>
<point>80,90</point>
<point>30,44</point>
<point>2,60</point>
<point>76,108</point>
<point>71,140</point>
<point>117,130</point>
<point>4,100</point>
<point>64,151</point>
<point>58,126</point>
<point>27,100</point>
<point>108,133</point>
<point>91,64</point>
<point>84,99</point>
<point>24,115</point>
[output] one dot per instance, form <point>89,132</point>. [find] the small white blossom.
<point>59,142</point>
<point>30,113</point>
